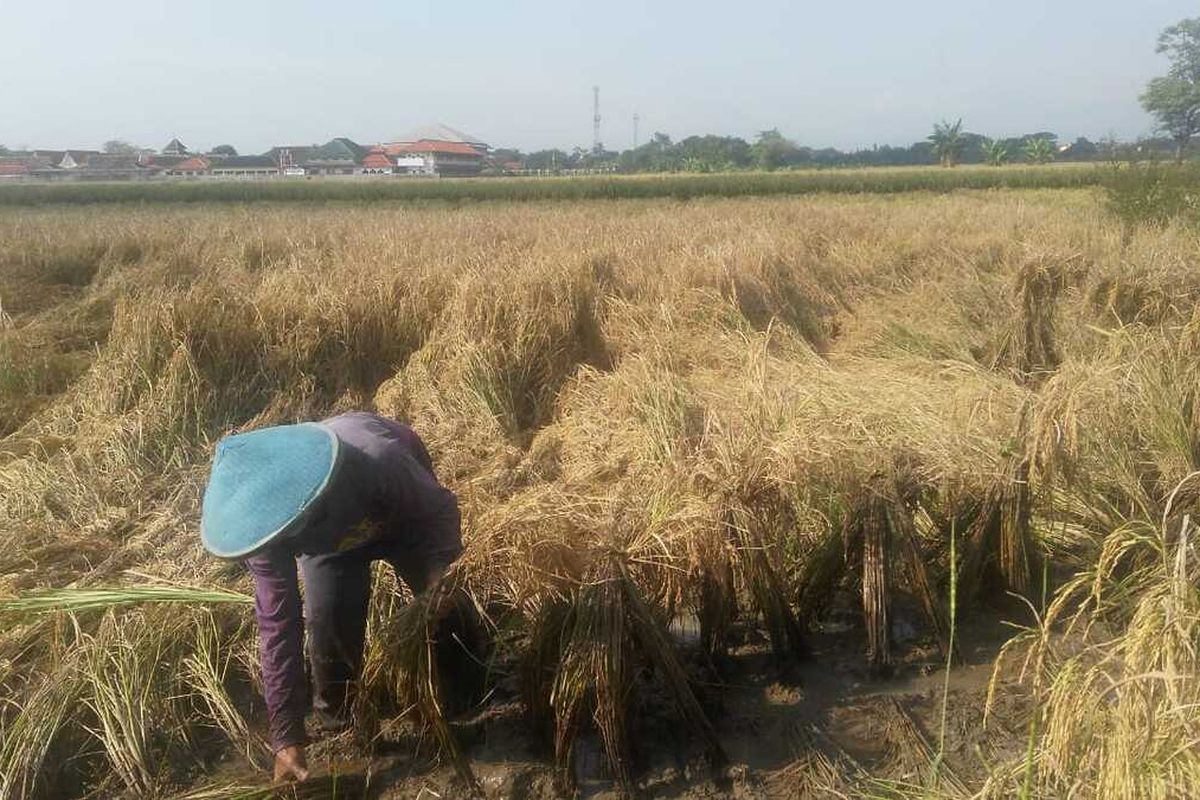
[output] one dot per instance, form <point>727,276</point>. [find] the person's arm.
<point>281,640</point>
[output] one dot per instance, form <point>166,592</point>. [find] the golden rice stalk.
<point>608,627</point>
<point>1115,705</point>
<point>541,661</point>
<point>876,585</point>
<point>1002,533</point>
<point>205,670</point>
<point>122,680</point>
<point>40,726</point>
<point>821,571</point>
<point>1031,347</point>
<point>401,667</point>
<point>753,561</point>
<point>717,608</point>
<point>592,677</point>
<point>124,686</point>
<point>75,600</point>
<point>904,532</point>
<point>657,648</point>
<point>912,740</point>
<point>820,767</point>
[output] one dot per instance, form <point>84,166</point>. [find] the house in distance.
<point>430,151</point>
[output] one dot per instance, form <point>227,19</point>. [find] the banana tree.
<point>1039,151</point>
<point>948,142</point>
<point>995,152</point>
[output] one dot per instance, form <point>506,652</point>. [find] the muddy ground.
<point>824,729</point>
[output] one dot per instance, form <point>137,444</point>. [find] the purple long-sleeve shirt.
<point>384,489</point>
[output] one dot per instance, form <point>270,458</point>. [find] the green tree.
<point>552,160</point>
<point>995,152</point>
<point>713,153</point>
<point>948,142</point>
<point>224,150</point>
<point>1174,99</point>
<point>1040,150</point>
<point>771,150</point>
<point>1083,149</point>
<point>656,155</point>
<point>120,147</point>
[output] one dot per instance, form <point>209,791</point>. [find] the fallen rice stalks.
<point>585,648</point>
<point>49,601</point>
<point>401,667</point>
<point>656,363</point>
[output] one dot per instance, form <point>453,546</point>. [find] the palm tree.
<point>948,142</point>
<point>1040,151</point>
<point>995,152</point>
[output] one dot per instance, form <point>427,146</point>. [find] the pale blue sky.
<point>842,74</point>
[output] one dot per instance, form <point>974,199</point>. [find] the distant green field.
<point>850,181</point>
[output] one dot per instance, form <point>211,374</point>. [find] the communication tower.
<point>636,120</point>
<point>597,147</point>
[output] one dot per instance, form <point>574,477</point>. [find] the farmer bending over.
<point>335,496</point>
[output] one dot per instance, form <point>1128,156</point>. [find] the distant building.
<point>175,148</point>
<point>194,167</point>
<point>244,167</point>
<point>67,159</point>
<point>340,156</point>
<point>114,167</point>
<point>432,150</point>
<point>438,132</point>
<point>426,157</point>
<point>290,158</point>
<point>21,167</point>
<point>377,162</point>
<point>438,150</point>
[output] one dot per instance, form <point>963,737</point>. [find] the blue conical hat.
<point>261,485</point>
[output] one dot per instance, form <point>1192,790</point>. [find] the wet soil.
<point>825,727</point>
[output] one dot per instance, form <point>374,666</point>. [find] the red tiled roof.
<point>376,159</point>
<point>429,146</point>
<point>14,169</point>
<point>194,164</point>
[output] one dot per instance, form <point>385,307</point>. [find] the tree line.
<point>770,150</point>
<point>1173,100</point>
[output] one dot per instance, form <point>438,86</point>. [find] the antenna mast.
<point>636,120</point>
<point>597,148</point>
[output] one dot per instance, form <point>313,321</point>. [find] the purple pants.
<point>337,595</point>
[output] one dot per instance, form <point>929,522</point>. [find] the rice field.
<point>878,495</point>
<point>875,180</point>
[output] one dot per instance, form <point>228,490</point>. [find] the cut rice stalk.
<point>38,728</point>
<point>788,642</point>
<point>716,609</point>
<point>205,670</point>
<point>593,676</point>
<point>48,601</point>
<point>656,646</point>
<point>401,667</point>
<point>609,625</point>
<point>904,530</point>
<point>876,585</point>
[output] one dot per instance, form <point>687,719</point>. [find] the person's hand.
<point>291,765</point>
<point>434,573</point>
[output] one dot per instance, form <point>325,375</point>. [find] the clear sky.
<point>843,73</point>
